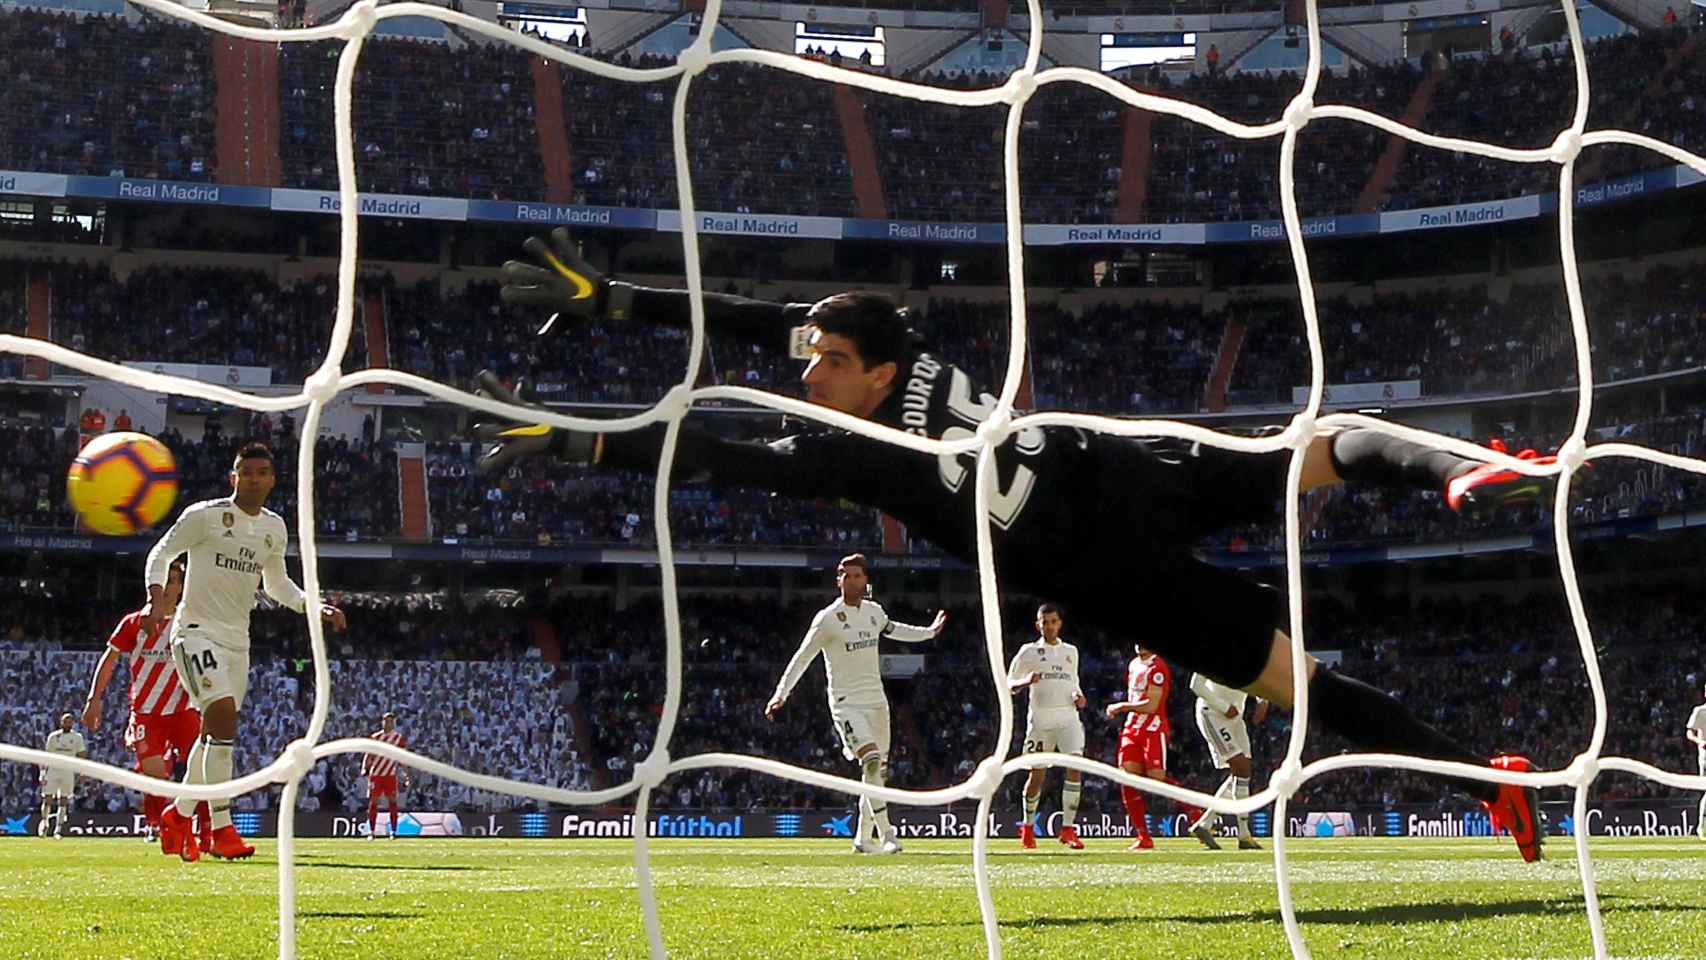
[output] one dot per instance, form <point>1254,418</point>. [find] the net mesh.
<point>328,380</point>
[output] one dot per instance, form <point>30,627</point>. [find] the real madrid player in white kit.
<point>57,784</point>
<point>1697,736</point>
<point>847,633</point>
<point>234,544</point>
<point>1048,668</point>
<point>1220,720</point>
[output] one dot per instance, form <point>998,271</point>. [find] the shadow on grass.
<point>1374,914</point>
<point>427,867</point>
<point>358,915</point>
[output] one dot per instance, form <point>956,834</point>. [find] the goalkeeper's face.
<point>837,377</point>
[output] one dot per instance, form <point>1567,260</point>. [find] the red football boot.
<point>228,844</point>
<point>1027,836</point>
<point>1490,486</point>
<point>1069,836</point>
<point>1517,810</point>
<point>177,835</point>
<point>1144,842</point>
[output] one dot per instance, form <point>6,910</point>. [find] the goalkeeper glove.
<point>561,281</point>
<point>511,442</point>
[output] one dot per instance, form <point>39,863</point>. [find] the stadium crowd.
<point>106,96</point>
<point>460,121</point>
<point>432,120</point>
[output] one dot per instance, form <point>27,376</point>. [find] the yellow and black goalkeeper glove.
<point>511,442</point>
<point>560,281</point>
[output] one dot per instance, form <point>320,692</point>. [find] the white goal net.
<point>328,380</point>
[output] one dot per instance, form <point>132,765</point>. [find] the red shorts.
<point>1147,749</point>
<point>385,786</point>
<point>163,735</point>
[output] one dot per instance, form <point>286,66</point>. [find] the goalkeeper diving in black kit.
<point>1103,524</point>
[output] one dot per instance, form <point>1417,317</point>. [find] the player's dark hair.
<point>251,451</point>
<point>856,560</point>
<point>181,567</point>
<point>879,330</point>
<point>1049,607</point>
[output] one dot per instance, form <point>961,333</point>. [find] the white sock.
<point>872,773</point>
<point>1209,817</point>
<point>192,774</point>
<point>64,815</point>
<point>1241,791</point>
<point>216,766</point>
<point>863,834</point>
<point>47,814</point>
<point>209,762</point>
<point>1032,801</point>
<point>1700,818</point>
<point>1069,794</point>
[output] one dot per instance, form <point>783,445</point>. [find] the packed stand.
<point>941,162</point>
<point>199,315</point>
<point>1465,342</point>
<point>355,484</point>
<point>428,119</point>
<point>75,104</point>
<point>619,137</point>
<point>788,156</point>
<point>544,503</point>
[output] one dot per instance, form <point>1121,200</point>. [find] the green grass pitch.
<point>93,899</point>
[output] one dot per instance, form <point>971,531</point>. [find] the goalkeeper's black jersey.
<point>1068,505</point>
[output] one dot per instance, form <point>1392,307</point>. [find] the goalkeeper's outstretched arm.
<point>560,281</point>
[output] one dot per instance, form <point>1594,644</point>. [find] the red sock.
<point>1137,809</point>
<point>372,815</point>
<point>393,820</point>
<point>152,807</point>
<point>204,819</point>
<point>1192,813</point>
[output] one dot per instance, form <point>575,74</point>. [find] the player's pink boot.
<point>1490,486</point>
<point>1027,836</point>
<point>177,835</point>
<point>1069,836</point>
<point>1517,810</point>
<point>228,844</point>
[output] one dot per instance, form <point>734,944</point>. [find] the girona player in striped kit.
<point>382,773</point>
<point>1144,737</point>
<point>163,725</point>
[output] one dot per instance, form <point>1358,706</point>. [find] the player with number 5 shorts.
<point>1103,523</point>
<point>235,544</point>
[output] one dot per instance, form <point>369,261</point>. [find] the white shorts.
<point>210,671</point>
<point>58,783</point>
<point>1226,738</point>
<point>1065,736</point>
<point>858,726</point>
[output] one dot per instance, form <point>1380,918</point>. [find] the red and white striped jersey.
<point>1144,675</point>
<point>373,765</point>
<point>154,687</point>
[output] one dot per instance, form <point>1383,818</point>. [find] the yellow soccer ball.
<point>123,483</point>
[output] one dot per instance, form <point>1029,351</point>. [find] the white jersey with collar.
<point>232,553</point>
<point>848,637</point>
<point>1052,696</point>
<point>66,743</point>
<point>1697,723</point>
